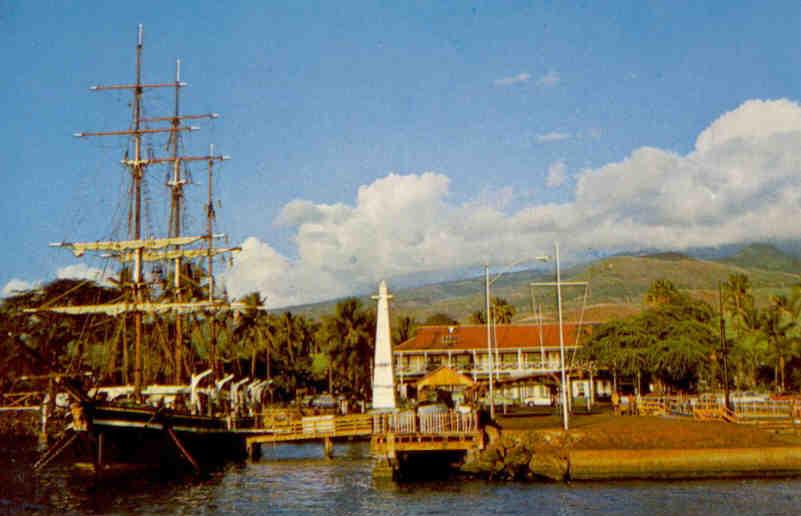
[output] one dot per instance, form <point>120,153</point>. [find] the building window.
<point>449,340</point>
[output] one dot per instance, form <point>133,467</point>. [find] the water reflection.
<point>297,479</point>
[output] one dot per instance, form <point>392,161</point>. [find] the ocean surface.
<point>297,479</point>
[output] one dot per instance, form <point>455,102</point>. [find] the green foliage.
<point>441,319</point>
<point>765,257</point>
<point>673,340</point>
<point>349,339</point>
<point>477,317</point>
<point>405,328</point>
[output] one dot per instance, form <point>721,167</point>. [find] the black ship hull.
<point>113,439</point>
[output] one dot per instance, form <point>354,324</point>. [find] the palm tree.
<point>246,333</point>
<point>662,292</point>
<point>779,324</point>
<point>737,296</point>
<point>348,334</point>
<point>502,311</point>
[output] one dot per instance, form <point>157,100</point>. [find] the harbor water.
<point>297,479</point>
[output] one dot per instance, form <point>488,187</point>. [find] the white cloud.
<point>551,78</point>
<point>553,136</point>
<point>16,286</point>
<point>740,183</point>
<point>80,271</point>
<point>557,173</point>
<point>515,79</point>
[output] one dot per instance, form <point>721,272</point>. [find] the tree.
<point>619,346</point>
<point>404,329</point>
<point>349,338</point>
<point>737,296</point>
<point>779,325</point>
<point>247,332</point>
<point>477,317</point>
<point>672,339</point>
<point>749,346</point>
<point>661,292</point>
<point>502,311</point>
<point>440,319</point>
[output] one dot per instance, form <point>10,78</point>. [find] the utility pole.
<point>724,349</point>
<point>489,340</point>
<point>561,338</point>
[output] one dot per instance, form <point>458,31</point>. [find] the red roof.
<point>469,337</point>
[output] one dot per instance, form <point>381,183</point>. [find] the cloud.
<point>739,183</point>
<point>550,79</point>
<point>557,173</point>
<point>16,286</point>
<point>81,271</point>
<point>515,79</point>
<point>553,136</point>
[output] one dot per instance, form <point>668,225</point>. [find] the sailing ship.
<point>186,423</point>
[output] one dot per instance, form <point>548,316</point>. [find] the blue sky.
<point>506,106</point>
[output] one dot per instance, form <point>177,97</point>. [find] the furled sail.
<point>79,248</point>
<point>121,308</point>
<point>172,254</point>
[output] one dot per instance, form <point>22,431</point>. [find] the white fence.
<point>408,422</point>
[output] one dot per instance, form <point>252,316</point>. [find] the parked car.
<point>323,401</point>
<point>537,401</point>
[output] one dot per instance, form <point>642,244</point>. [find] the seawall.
<point>683,463</point>
<point>559,456</point>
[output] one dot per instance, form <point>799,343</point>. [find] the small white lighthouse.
<point>383,376</point>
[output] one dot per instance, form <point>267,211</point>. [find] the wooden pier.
<point>393,436</point>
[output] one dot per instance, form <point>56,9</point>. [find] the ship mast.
<point>176,205</point>
<point>138,249</point>
<point>209,237</point>
<point>137,171</point>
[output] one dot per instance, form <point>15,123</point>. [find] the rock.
<point>548,465</point>
<point>482,462</point>
<point>493,434</point>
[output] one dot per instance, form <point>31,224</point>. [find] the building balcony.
<point>482,369</point>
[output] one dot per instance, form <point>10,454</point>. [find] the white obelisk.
<point>383,377</point>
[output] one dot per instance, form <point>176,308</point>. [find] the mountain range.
<point>616,285</point>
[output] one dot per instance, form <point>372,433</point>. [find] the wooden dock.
<point>392,435</point>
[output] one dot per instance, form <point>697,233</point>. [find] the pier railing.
<point>409,422</point>
<point>331,426</point>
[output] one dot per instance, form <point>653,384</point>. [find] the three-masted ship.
<point>199,418</point>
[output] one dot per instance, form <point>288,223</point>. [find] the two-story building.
<point>525,361</point>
